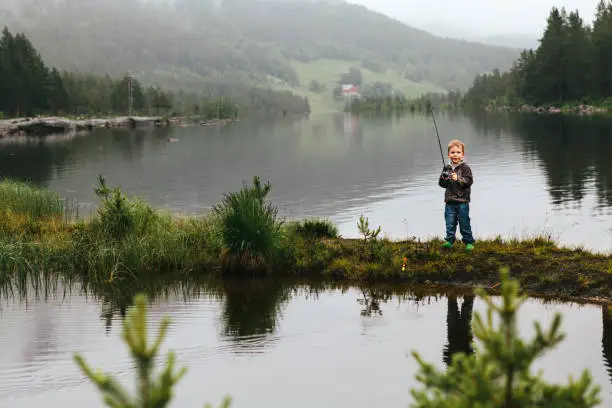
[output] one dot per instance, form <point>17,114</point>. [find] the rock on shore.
<point>49,125</point>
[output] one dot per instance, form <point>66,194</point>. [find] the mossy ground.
<point>541,266</point>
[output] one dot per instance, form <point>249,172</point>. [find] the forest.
<point>29,87</point>
<point>571,66</point>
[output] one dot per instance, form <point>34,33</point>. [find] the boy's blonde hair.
<point>456,143</point>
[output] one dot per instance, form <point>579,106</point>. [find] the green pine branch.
<point>498,374</point>
<point>151,392</point>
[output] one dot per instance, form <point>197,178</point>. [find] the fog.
<point>479,17</point>
<point>504,22</point>
<point>522,20</point>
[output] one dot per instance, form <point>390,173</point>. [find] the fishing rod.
<point>437,134</point>
<point>446,169</point>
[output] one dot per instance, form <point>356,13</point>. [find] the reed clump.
<point>27,211</point>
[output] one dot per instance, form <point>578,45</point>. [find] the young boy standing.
<point>457,196</point>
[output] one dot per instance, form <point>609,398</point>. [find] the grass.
<point>127,241</point>
<point>328,71</point>
<point>23,207</point>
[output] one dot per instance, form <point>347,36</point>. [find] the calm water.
<point>270,345</point>
<point>533,174</point>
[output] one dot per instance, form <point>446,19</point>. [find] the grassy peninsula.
<point>41,235</point>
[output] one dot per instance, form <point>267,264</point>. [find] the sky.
<point>478,17</point>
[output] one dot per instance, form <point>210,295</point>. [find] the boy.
<point>457,196</point>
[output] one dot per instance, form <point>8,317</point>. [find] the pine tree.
<point>602,49</point>
<point>552,58</point>
<point>498,375</point>
<point>578,63</point>
<point>151,393</point>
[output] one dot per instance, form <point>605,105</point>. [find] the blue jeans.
<point>458,213</point>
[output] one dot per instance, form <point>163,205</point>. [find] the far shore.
<point>581,109</point>
<point>45,125</point>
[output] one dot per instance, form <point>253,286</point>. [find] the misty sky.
<point>479,17</point>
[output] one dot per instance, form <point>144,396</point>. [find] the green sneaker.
<point>447,245</point>
<point>469,247</point>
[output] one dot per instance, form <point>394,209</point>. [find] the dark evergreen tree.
<point>571,64</point>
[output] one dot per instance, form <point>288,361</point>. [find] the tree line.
<point>571,65</point>
<point>29,87</point>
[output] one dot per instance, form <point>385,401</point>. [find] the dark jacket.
<point>458,191</point>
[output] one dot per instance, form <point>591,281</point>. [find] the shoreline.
<point>42,126</point>
<point>581,109</point>
<point>543,269</point>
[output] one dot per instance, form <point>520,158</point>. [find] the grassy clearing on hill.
<point>328,71</point>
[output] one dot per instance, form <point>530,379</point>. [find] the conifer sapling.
<point>151,393</point>
<point>498,374</point>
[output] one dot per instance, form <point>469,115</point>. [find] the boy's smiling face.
<point>455,154</point>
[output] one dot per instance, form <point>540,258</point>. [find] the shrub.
<point>118,215</point>
<point>250,230</point>
<point>372,248</point>
<point>315,228</point>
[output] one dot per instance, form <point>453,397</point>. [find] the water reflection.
<point>230,334</point>
<point>606,341</point>
<point>32,160</point>
<point>253,307</point>
<point>574,150</point>
<point>250,313</point>
<point>349,126</point>
<point>115,299</point>
<point>458,328</point>
<point>371,299</point>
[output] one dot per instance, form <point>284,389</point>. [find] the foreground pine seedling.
<point>151,392</point>
<point>498,374</point>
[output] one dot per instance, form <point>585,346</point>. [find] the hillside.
<point>196,44</point>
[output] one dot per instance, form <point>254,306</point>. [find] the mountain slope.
<point>197,44</point>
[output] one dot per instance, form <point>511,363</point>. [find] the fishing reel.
<point>447,172</point>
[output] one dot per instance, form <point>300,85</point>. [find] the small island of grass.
<point>41,236</point>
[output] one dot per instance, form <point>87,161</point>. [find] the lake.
<point>267,345</point>
<point>532,174</point>
<point>271,344</point>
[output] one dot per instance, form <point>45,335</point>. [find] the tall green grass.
<point>35,203</point>
<point>128,238</point>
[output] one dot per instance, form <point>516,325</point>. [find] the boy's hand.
<point>454,177</point>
